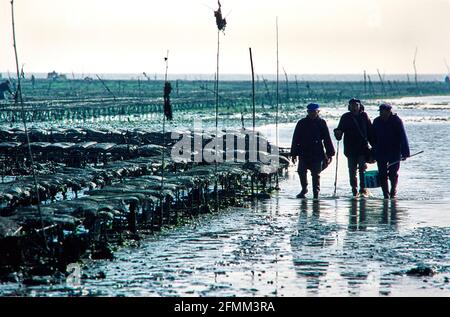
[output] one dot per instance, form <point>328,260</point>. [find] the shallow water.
<point>289,247</point>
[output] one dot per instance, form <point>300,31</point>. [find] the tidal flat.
<point>283,246</point>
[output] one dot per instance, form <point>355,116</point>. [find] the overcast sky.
<point>315,37</point>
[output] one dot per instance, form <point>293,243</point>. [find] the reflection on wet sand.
<point>357,215</point>
<point>363,214</point>
<point>322,248</point>
<point>309,246</point>
<point>390,213</point>
<point>361,243</point>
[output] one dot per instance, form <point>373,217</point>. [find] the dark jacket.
<point>390,140</point>
<point>310,136</point>
<point>355,142</point>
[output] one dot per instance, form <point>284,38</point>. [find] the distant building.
<point>55,76</point>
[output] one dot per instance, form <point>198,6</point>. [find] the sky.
<point>315,37</point>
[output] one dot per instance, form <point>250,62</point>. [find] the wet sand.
<point>284,247</point>
<point>290,247</point>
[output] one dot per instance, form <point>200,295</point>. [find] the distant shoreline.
<point>240,77</point>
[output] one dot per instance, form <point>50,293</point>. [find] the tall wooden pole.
<point>336,173</point>
<point>415,69</point>
<point>278,102</point>
<point>164,143</point>
<point>253,88</point>
<point>18,96</point>
<point>365,82</point>
<point>217,123</point>
<point>381,81</point>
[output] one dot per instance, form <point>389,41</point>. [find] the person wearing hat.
<point>310,137</point>
<point>356,128</point>
<point>390,146</point>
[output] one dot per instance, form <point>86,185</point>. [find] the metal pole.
<point>164,144</point>
<point>253,88</point>
<point>278,101</point>
<point>217,122</point>
<point>401,160</point>
<point>335,175</point>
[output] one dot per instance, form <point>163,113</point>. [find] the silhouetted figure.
<point>310,137</point>
<point>391,146</point>
<point>356,127</point>
<point>4,86</point>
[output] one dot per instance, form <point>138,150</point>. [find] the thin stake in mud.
<point>167,112</point>
<point>415,69</point>
<point>371,89</point>
<point>287,85</point>
<point>336,173</point>
<point>278,102</point>
<point>17,96</point>
<point>221,24</point>
<point>381,81</point>
<point>253,87</point>
<point>268,94</point>
<point>106,87</point>
<point>365,82</point>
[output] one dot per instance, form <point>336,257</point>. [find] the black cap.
<point>353,101</point>
<point>385,106</point>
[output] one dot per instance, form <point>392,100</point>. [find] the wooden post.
<point>253,88</point>
<point>17,97</point>
<point>365,82</point>
<point>382,82</point>
<point>278,101</point>
<point>287,85</point>
<point>415,69</point>
<point>164,143</point>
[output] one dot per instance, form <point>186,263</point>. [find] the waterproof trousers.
<point>356,163</point>
<point>315,168</point>
<point>390,173</point>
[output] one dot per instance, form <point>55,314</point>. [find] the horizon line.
<point>374,77</point>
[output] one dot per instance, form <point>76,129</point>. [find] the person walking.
<point>390,147</point>
<point>356,128</point>
<point>310,137</point>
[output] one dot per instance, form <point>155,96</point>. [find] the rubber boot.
<point>385,188</point>
<point>355,192</point>
<point>316,195</point>
<point>393,192</point>
<point>304,185</point>
<point>302,193</point>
